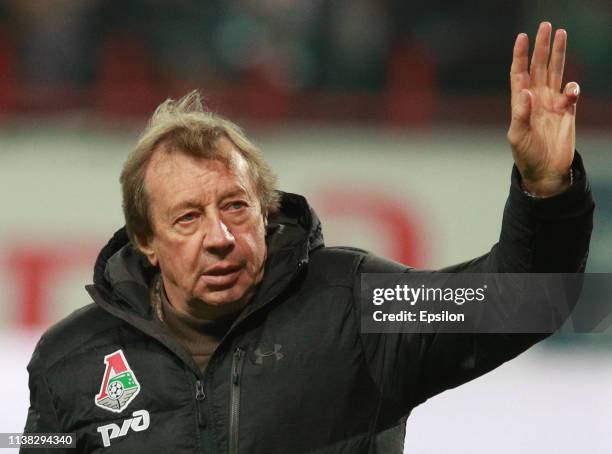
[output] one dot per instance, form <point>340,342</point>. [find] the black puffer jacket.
<point>294,374</point>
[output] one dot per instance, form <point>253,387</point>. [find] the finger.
<point>539,59</point>
<point>569,97</point>
<point>519,125</point>
<point>557,60</point>
<point>519,74</point>
<point>572,91</point>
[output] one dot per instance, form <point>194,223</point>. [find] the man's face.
<point>209,230</point>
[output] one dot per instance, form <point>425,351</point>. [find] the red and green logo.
<point>119,386</point>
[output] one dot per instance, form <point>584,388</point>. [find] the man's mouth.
<point>221,275</point>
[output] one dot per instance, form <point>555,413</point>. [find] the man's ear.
<point>146,247</point>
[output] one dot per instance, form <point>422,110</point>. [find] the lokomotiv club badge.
<point>119,386</point>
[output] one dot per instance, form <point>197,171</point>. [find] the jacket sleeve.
<point>42,417</point>
<point>537,235</point>
<point>540,235</point>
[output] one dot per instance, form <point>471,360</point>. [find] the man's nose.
<point>218,238</point>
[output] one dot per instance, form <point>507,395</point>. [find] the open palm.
<point>542,131</point>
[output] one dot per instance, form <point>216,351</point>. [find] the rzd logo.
<point>139,422</point>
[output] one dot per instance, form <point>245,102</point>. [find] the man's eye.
<point>236,205</point>
<point>188,217</point>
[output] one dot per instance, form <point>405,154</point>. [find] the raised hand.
<point>542,131</point>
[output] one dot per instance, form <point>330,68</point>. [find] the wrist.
<point>547,187</point>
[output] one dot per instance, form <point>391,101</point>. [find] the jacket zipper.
<point>200,396</point>
<point>237,361</point>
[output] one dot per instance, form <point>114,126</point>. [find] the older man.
<point>221,323</point>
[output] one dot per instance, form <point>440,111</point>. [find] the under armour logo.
<point>261,355</point>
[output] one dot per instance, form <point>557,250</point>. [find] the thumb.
<point>519,125</point>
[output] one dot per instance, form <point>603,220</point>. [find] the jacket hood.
<point>123,275</point>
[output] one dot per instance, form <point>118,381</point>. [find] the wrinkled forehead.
<point>167,165</point>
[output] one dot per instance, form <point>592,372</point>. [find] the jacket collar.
<point>123,275</point>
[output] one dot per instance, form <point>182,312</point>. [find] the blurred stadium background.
<point>389,116</point>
